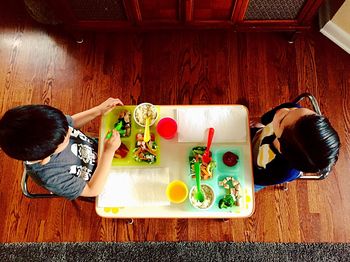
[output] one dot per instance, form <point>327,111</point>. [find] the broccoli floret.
<point>227,201</point>
<point>222,203</point>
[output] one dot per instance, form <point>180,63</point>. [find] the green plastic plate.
<point>107,124</point>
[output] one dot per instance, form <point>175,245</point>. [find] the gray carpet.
<point>174,251</point>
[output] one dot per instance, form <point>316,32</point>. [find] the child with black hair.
<point>292,140</point>
<point>55,152</point>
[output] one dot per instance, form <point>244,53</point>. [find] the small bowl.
<point>140,114</point>
<point>177,191</point>
<point>209,197</point>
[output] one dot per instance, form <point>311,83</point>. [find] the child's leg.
<point>258,188</point>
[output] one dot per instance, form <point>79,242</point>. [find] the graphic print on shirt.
<point>85,153</point>
<point>265,155</point>
<point>82,148</point>
<point>78,134</point>
<point>81,171</point>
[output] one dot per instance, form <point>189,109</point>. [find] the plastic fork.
<point>206,156</point>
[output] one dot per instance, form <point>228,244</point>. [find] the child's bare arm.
<point>95,186</point>
<point>80,119</point>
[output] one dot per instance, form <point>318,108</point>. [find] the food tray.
<point>107,124</point>
<point>221,171</point>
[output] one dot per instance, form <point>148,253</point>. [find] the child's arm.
<point>80,119</point>
<point>95,186</point>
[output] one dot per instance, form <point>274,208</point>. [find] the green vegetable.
<point>211,166</point>
<point>144,155</point>
<point>227,201</point>
<point>195,153</point>
<point>198,150</point>
<point>119,127</point>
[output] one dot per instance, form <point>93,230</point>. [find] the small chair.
<point>28,194</point>
<point>25,190</point>
<point>316,108</point>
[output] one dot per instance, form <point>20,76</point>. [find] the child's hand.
<point>112,143</point>
<point>108,105</point>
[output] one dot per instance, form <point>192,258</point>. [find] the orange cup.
<point>177,191</point>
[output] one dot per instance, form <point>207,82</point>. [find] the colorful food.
<point>207,169</point>
<point>123,125</point>
<point>230,159</point>
<point>209,197</point>
<point>226,202</point>
<point>233,193</point>
<point>145,152</point>
<point>144,111</point>
<point>122,151</point>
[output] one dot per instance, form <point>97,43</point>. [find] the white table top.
<point>174,159</point>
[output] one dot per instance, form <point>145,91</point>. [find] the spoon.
<point>199,194</point>
<point>147,135</point>
<point>206,156</point>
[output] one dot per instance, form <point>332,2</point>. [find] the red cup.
<point>167,127</point>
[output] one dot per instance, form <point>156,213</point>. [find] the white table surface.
<point>174,156</point>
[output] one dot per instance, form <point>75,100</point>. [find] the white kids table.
<point>135,190</point>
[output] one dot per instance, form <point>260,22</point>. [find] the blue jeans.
<point>258,188</point>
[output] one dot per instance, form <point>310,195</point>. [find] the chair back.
<point>24,186</point>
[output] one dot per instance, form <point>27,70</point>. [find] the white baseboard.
<point>337,35</point>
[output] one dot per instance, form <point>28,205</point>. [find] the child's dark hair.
<point>32,132</point>
<point>311,144</point>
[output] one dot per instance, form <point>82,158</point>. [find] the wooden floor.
<point>259,70</point>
